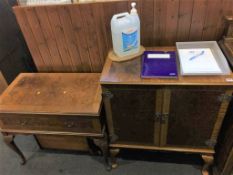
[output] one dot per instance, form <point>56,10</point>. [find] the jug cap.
<point>133,5</point>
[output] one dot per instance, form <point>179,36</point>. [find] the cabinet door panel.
<point>192,116</point>
<point>131,98</point>
<point>133,112</point>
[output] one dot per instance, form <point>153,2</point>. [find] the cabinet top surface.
<point>53,93</point>
<point>129,73</point>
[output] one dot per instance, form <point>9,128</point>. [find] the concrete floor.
<point>41,162</point>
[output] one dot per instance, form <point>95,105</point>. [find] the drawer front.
<point>55,123</point>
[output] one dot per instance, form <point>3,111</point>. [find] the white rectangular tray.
<point>216,51</point>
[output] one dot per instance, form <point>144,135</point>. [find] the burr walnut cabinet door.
<point>194,116</point>
<point>133,115</point>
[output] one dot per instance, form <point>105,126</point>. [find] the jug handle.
<point>120,15</point>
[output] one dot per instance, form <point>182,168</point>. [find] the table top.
<point>129,72</point>
<point>53,93</point>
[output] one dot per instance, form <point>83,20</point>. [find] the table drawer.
<point>55,123</point>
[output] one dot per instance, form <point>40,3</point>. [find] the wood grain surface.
<point>129,73</point>
<point>58,93</point>
<point>77,37</point>
<point>188,107</point>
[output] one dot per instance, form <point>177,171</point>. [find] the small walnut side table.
<point>59,104</point>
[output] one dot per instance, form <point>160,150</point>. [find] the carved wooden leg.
<point>37,141</point>
<point>9,140</point>
<point>93,148</point>
<point>208,160</point>
<point>113,153</point>
<point>102,143</point>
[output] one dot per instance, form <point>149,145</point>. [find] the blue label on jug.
<point>130,41</point>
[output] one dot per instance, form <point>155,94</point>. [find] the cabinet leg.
<point>113,153</point>
<point>9,140</point>
<point>208,161</point>
<point>102,143</point>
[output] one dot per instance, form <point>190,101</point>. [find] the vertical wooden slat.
<point>184,20</point>
<point>147,22</point>
<point>57,64</point>
<point>31,43</point>
<point>100,31</point>
<point>60,37</point>
<point>212,15</point>
<point>70,39</point>
<point>109,11</point>
<point>171,21</point>
<point>104,32</point>
<point>162,7</point>
<point>79,32</point>
<point>39,36</point>
<point>91,37</point>
<point>156,33</point>
<point>198,18</point>
<point>122,6</point>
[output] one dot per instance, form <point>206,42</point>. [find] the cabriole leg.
<point>113,153</point>
<point>9,140</point>
<point>102,143</point>
<point>208,161</point>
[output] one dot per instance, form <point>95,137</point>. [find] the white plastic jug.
<point>125,29</point>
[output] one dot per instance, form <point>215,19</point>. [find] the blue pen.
<point>195,56</point>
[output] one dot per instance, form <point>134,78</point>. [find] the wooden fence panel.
<point>77,37</point>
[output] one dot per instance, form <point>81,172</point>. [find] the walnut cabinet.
<point>183,114</point>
